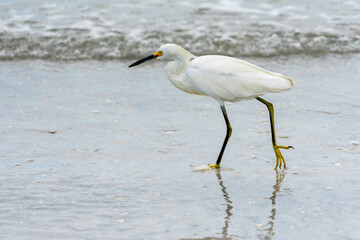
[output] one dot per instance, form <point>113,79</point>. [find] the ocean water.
<point>90,149</point>
<point>77,30</point>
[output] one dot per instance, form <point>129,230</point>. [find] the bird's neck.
<point>180,62</point>
<point>175,72</point>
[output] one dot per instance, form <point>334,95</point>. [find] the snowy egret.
<point>226,79</point>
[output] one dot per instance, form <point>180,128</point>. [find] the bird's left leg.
<point>227,137</point>
<point>279,157</point>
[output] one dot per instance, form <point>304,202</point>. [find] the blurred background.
<point>78,30</point>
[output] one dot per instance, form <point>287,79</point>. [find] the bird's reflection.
<point>228,212</point>
<point>268,228</point>
<point>228,204</point>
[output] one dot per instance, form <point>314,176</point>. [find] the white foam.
<point>202,168</point>
<point>48,6</point>
<point>231,6</point>
<point>84,24</point>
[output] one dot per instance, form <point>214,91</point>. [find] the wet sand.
<point>94,150</point>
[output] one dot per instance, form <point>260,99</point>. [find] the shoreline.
<point>92,148</point>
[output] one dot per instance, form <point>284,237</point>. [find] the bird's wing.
<point>232,79</point>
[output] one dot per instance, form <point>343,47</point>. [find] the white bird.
<point>226,79</point>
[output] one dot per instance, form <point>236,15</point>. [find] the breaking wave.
<point>64,31</point>
<point>119,46</point>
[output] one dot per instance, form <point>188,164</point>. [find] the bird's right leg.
<point>227,137</point>
<point>279,157</point>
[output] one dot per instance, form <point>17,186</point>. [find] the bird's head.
<point>167,51</point>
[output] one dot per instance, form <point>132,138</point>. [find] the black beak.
<point>143,60</point>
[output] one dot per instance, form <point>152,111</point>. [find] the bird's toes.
<point>214,166</point>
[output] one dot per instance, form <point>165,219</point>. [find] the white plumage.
<point>231,79</point>
<point>221,77</point>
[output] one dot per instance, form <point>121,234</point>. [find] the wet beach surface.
<point>94,150</point>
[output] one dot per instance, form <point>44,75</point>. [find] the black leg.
<point>271,113</point>
<point>227,137</point>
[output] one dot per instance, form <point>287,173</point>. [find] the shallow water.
<point>94,150</point>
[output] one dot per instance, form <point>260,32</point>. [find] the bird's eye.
<point>161,52</point>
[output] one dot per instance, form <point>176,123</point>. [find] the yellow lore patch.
<point>158,53</point>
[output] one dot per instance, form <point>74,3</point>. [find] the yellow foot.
<point>279,157</point>
<point>214,166</point>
